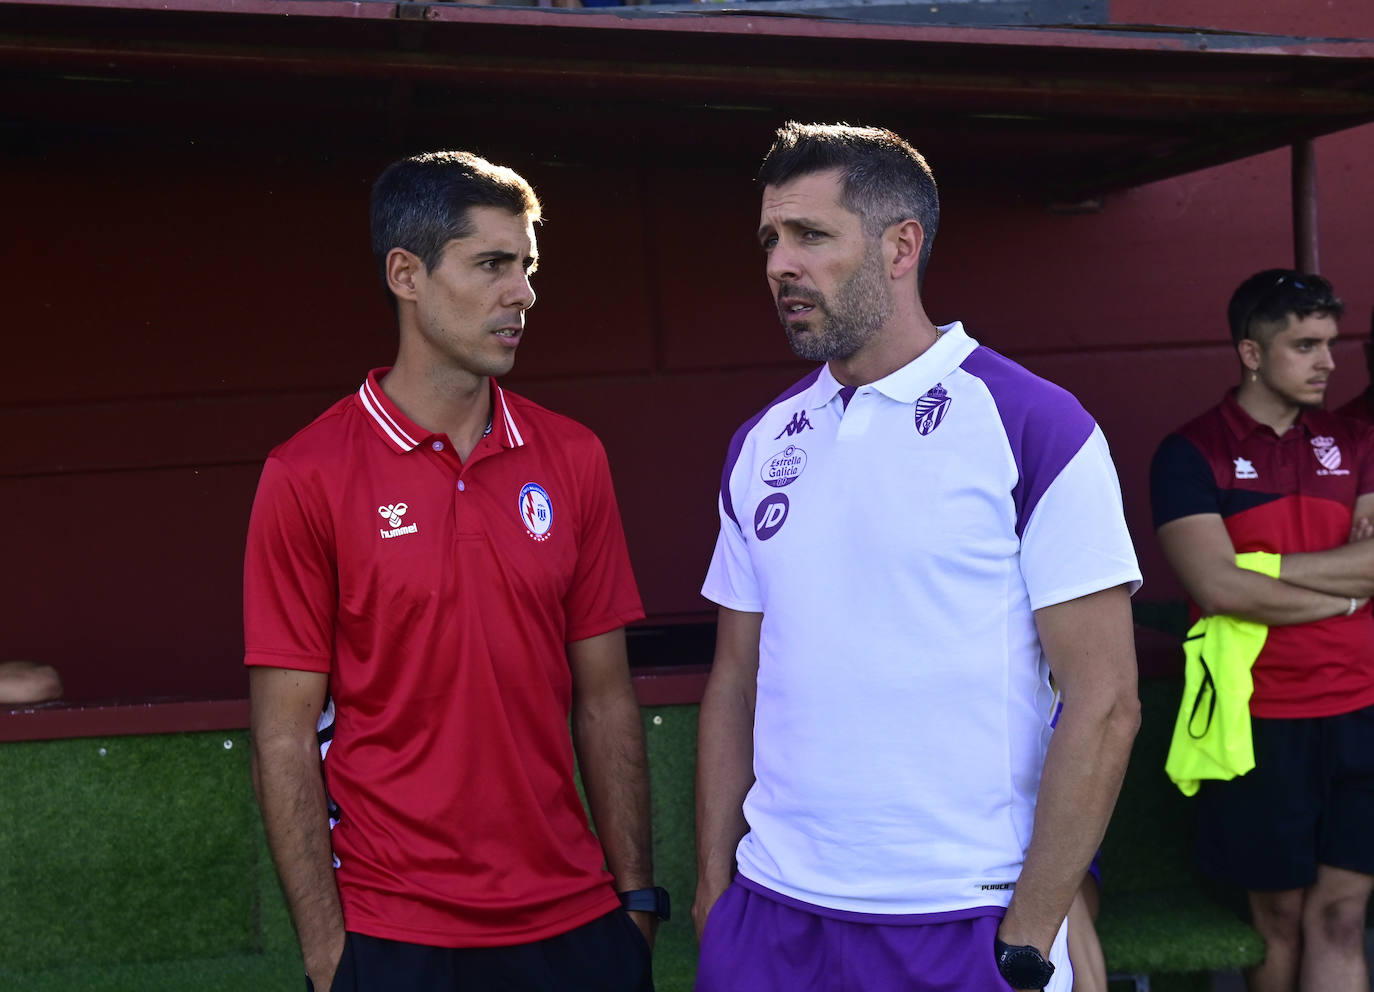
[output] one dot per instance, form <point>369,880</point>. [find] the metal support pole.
<point>1305,207</point>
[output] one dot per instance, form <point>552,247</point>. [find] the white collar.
<point>914,379</point>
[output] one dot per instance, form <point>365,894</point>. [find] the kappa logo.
<point>1244,470</point>
<point>799,423</point>
<point>536,511</point>
<point>1329,455</point>
<point>392,514</point>
<point>931,409</point>
<point>784,467</point>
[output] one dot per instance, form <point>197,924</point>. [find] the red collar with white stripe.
<point>404,434</point>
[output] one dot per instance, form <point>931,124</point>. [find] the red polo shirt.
<point>439,596</point>
<point>1282,494</point>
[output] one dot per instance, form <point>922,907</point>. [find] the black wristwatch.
<point>1022,966</point>
<point>653,900</point>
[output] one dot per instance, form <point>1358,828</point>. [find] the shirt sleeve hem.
<point>286,659</point>
<point>604,625</point>
<point>1129,577</point>
<point>733,602</point>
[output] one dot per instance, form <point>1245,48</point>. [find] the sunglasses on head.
<point>1285,279</point>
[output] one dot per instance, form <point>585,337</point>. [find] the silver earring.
<point>1254,376</point>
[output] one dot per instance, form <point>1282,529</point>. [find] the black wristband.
<point>1022,966</point>
<point>654,900</point>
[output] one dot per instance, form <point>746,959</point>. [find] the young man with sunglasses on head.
<point>1269,470</point>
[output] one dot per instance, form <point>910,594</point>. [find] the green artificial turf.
<point>670,733</point>
<point>139,864</point>
<point>127,849</point>
<point>1168,982</point>
<point>1149,843</point>
<point>1158,914</point>
<point>237,973</point>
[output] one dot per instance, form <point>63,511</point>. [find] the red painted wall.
<point>1297,18</point>
<point>1126,307</point>
<point>172,313</point>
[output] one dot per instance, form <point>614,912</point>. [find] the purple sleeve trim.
<point>1044,424</point>
<point>737,442</point>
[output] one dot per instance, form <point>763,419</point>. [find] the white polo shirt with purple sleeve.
<point>897,539</point>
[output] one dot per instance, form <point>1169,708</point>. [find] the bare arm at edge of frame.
<point>1201,554</point>
<point>1346,570</point>
<point>608,736</point>
<point>725,755</point>
<point>1090,645</point>
<point>286,706</point>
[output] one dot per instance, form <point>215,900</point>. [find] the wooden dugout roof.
<point>1055,112</point>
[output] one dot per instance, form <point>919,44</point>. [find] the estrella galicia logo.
<point>784,467</point>
<point>931,409</point>
<point>536,511</point>
<point>798,424</point>
<point>770,516</point>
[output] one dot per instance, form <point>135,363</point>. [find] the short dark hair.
<point>884,179</point>
<point>1268,297</point>
<point>421,203</point>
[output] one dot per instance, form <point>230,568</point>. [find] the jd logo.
<point>770,516</point>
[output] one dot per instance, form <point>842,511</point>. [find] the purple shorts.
<point>768,943</point>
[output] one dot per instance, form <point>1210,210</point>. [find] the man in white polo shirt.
<point>914,537</point>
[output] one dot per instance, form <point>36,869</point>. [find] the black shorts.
<point>1309,800</point>
<point>608,954</point>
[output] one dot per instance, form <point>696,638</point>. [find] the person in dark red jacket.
<point>1267,469</point>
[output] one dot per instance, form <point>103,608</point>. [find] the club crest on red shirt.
<point>536,511</point>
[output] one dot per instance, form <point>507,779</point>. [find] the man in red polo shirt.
<point>1268,470</point>
<point>436,583</point>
